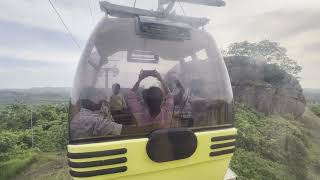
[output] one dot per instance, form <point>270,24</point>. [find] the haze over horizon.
<point>36,51</point>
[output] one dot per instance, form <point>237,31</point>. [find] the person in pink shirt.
<point>158,108</point>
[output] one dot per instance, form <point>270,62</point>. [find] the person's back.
<point>92,121</point>
<point>159,106</point>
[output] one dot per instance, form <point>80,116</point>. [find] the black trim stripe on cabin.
<point>223,145</point>
<point>137,136</point>
<point>97,153</point>
<point>222,152</point>
<point>223,138</point>
<point>97,163</point>
<point>98,172</point>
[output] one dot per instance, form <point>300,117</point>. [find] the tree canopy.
<point>272,52</point>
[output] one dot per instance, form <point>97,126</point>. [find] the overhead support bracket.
<point>125,12</point>
<point>216,3</point>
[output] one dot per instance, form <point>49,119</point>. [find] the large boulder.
<point>265,87</point>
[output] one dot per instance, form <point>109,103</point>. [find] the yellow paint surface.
<point>199,166</point>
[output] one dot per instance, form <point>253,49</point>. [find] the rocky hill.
<point>265,87</point>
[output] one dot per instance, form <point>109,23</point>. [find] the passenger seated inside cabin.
<point>93,120</point>
<point>117,102</point>
<point>158,107</point>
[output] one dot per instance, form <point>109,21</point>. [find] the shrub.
<point>276,141</point>
<point>316,110</point>
<point>8,140</point>
<point>50,128</point>
<point>250,165</point>
<point>273,74</point>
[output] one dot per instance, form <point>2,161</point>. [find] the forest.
<point>21,142</point>
<point>276,147</point>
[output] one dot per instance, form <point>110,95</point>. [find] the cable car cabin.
<point>151,99</point>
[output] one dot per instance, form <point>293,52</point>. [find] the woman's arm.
<point>163,84</point>
<point>137,84</point>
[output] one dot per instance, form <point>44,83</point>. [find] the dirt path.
<point>48,166</point>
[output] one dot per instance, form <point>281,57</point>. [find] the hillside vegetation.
<point>34,96</point>
<point>277,147</point>
<point>269,147</point>
<point>16,148</point>
<point>46,166</point>
<point>316,110</point>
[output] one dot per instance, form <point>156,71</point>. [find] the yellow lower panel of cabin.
<point>200,166</point>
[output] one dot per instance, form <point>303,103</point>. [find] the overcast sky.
<point>36,51</point>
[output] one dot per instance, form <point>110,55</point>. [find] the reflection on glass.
<point>131,85</point>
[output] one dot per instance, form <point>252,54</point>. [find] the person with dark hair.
<point>159,104</point>
<point>117,102</point>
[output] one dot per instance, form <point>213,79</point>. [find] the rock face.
<point>265,87</point>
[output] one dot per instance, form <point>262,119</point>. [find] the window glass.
<point>139,85</point>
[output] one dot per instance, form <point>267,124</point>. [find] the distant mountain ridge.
<point>312,95</point>
<point>49,95</point>
<point>43,95</point>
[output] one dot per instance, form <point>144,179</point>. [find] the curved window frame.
<point>94,50</point>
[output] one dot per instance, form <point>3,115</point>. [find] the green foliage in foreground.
<point>49,128</point>
<point>49,132</point>
<point>13,144</point>
<point>251,165</point>
<point>13,166</point>
<point>48,166</point>
<point>272,147</point>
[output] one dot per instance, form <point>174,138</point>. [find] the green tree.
<point>15,116</point>
<point>50,127</point>
<point>272,52</point>
<point>272,147</point>
<point>316,110</point>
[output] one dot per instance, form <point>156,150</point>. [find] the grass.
<point>48,166</point>
<point>315,109</point>
<point>14,166</point>
<point>36,166</point>
<point>312,128</point>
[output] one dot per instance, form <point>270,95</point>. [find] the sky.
<point>36,50</point>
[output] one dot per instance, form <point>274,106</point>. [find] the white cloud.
<point>251,20</point>
<point>39,13</point>
<point>58,57</point>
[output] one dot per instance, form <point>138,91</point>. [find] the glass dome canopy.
<point>191,66</point>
